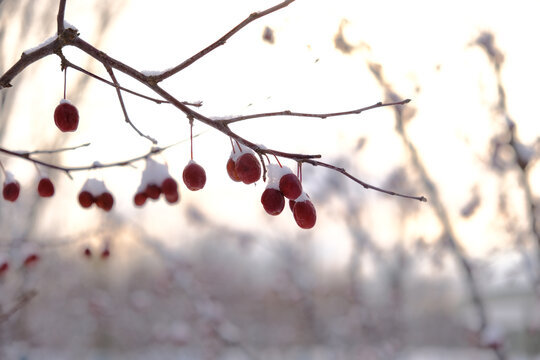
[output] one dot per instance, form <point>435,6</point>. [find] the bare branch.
<point>70,37</point>
<point>221,41</point>
<point>364,184</point>
<point>124,110</point>
<point>322,116</point>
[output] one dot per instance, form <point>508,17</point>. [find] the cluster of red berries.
<point>282,183</point>
<point>12,188</point>
<point>95,192</point>
<point>243,165</point>
<point>155,181</point>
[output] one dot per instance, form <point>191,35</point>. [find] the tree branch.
<point>71,37</point>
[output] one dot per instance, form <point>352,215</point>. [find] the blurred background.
<point>214,276</point>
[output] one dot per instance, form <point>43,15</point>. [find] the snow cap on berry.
<point>275,173</point>
<point>10,178</point>
<point>240,150</point>
<point>153,173</point>
<point>65,101</point>
<point>95,187</point>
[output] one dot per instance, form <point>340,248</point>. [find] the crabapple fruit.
<point>66,117</point>
<point>248,168</point>
<point>11,191</point>
<point>169,186</point>
<point>272,201</point>
<point>194,176</point>
<point>86,199</point>
<point>152,191</point>
<point>140,199</point>
<point>105,201</point>
<point>172,197</point>
<point>231,170</point>
<point>4,267</point>
<point>304,214</point>
<point>290,186</point>
<point>45,187</point>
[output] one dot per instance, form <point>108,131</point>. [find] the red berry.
<point>194,176</point>
<point>105,253</point>
<point>169,186</point>
<point>290,186</point>
<point>66,117</point>
<point>86,199</point>
<point>231,170</point>
<point>45,187</point>
<point>87,252</point>
<point>304,214</point>
<point>172,197</point>
<point>4,267</point>
<point>139,199</point>
<point>291,205</point>
<point>248,168</point>
<point>273,201</point>
<point>11,191</point>
<point>105,201</point>
<point>152,191</point>
<point>31,259</point>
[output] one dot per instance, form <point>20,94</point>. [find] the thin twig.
<point>124,110</point>
<point>55,150</point>
<point>364,184</point>
<point>221,41</point>
<point>322,116</point>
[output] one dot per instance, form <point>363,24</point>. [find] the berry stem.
<point>278,161</point>
<point>3,169</point>
<point>38,170</point>
<point>65,82</point>
<point>299,170</point>
<point>191,135</point>
<point>238,144</point>
<point>232,144</point>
